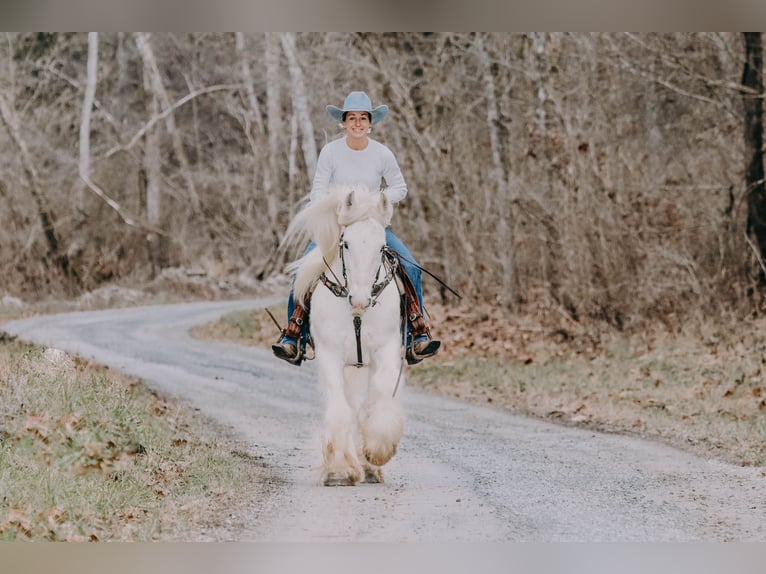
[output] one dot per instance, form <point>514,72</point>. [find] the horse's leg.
<point>341,464</point>
<point>356,384</point>
<point>372,474</point>
<point>383,415</point>
<point>356,381</point>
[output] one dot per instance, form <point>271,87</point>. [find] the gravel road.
<point>463,473</point>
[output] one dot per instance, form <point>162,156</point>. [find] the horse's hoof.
<point>337,479</point>
<point>373,477</point>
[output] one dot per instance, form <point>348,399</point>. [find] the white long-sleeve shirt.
<point>339,164</point>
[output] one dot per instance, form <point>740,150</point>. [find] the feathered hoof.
<point>338,479</point>
<point>381,455</point>
<point>373,476</point>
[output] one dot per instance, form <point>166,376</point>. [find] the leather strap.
<point>411,307</point>
<point>297,320</point>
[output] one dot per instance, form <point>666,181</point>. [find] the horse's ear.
<point>345,204</point>
<point>386,209</point>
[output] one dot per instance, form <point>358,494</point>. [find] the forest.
<point>615,176</point>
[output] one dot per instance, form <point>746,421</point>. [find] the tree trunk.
<point>152,164</point>
<point>123,62</point>
<point>752,80</point>
<point>272,179</point>
<point>143,41</point>
<point>55,252</point>
<point>272,175</point>
<point>247,78</point>
<point>292,161</point>
<point>87,111</point>
<point>547,197</point>
<point>502,191</point>
<point>300,104</point>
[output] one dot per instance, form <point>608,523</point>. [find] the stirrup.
<point>429,350</point>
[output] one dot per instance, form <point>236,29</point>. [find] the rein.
<point>396,255</point>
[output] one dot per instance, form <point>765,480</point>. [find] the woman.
<point>359,159</point>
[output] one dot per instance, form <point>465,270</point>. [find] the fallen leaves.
<point>73,460</point>
<point>19,519</point>
<point>53,524</point>
<point>39,427</point>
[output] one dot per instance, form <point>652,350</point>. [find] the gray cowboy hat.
<point>358,102</point>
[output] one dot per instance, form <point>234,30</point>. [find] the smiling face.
<point>356,125</point>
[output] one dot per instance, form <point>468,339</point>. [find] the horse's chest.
<point>333,323</point>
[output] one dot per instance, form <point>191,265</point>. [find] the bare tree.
<point>300,104</point>
<point>275,124</point>
<point>254,109</point>
<point>87,112</point>
<point>152,157</point>
<point>600,174</point>
<point>752,80</point>
<point>144,43</point>
<point>501,196</point>
<point>55,251</point>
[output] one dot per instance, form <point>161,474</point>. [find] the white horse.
<point>356,330</point>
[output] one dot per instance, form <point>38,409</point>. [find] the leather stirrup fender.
<point>297,320</point>
<point>411,308</point>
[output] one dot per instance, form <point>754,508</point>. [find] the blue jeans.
<point>413,272</point>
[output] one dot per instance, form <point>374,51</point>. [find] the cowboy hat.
<point>358,102</point>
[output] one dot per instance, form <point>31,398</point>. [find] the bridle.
<point>388,260</point>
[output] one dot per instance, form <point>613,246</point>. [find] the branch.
<point>167,111</point>
<point>626,65</point>
<point>247,77</point>
<point>757,255</point>
<point>128,219</point>
<point>679,64</point>
<point>75,84</point>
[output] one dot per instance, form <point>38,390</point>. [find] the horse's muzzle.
<point>359,305</point>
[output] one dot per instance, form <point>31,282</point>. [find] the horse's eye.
<point>345,245</point>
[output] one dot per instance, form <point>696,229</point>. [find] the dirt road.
<point>462,473</point>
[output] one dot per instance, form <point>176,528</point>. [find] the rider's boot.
<point>420,344</point>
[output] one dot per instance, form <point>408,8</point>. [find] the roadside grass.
<point>710,414</point>
<point>88,454</point>
<point>701,388</point>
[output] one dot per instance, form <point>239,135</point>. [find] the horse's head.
<point>361,218</point>
<point>365,217</point>
<point>361,244</point>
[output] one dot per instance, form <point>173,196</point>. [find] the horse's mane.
<point>322,220</point>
